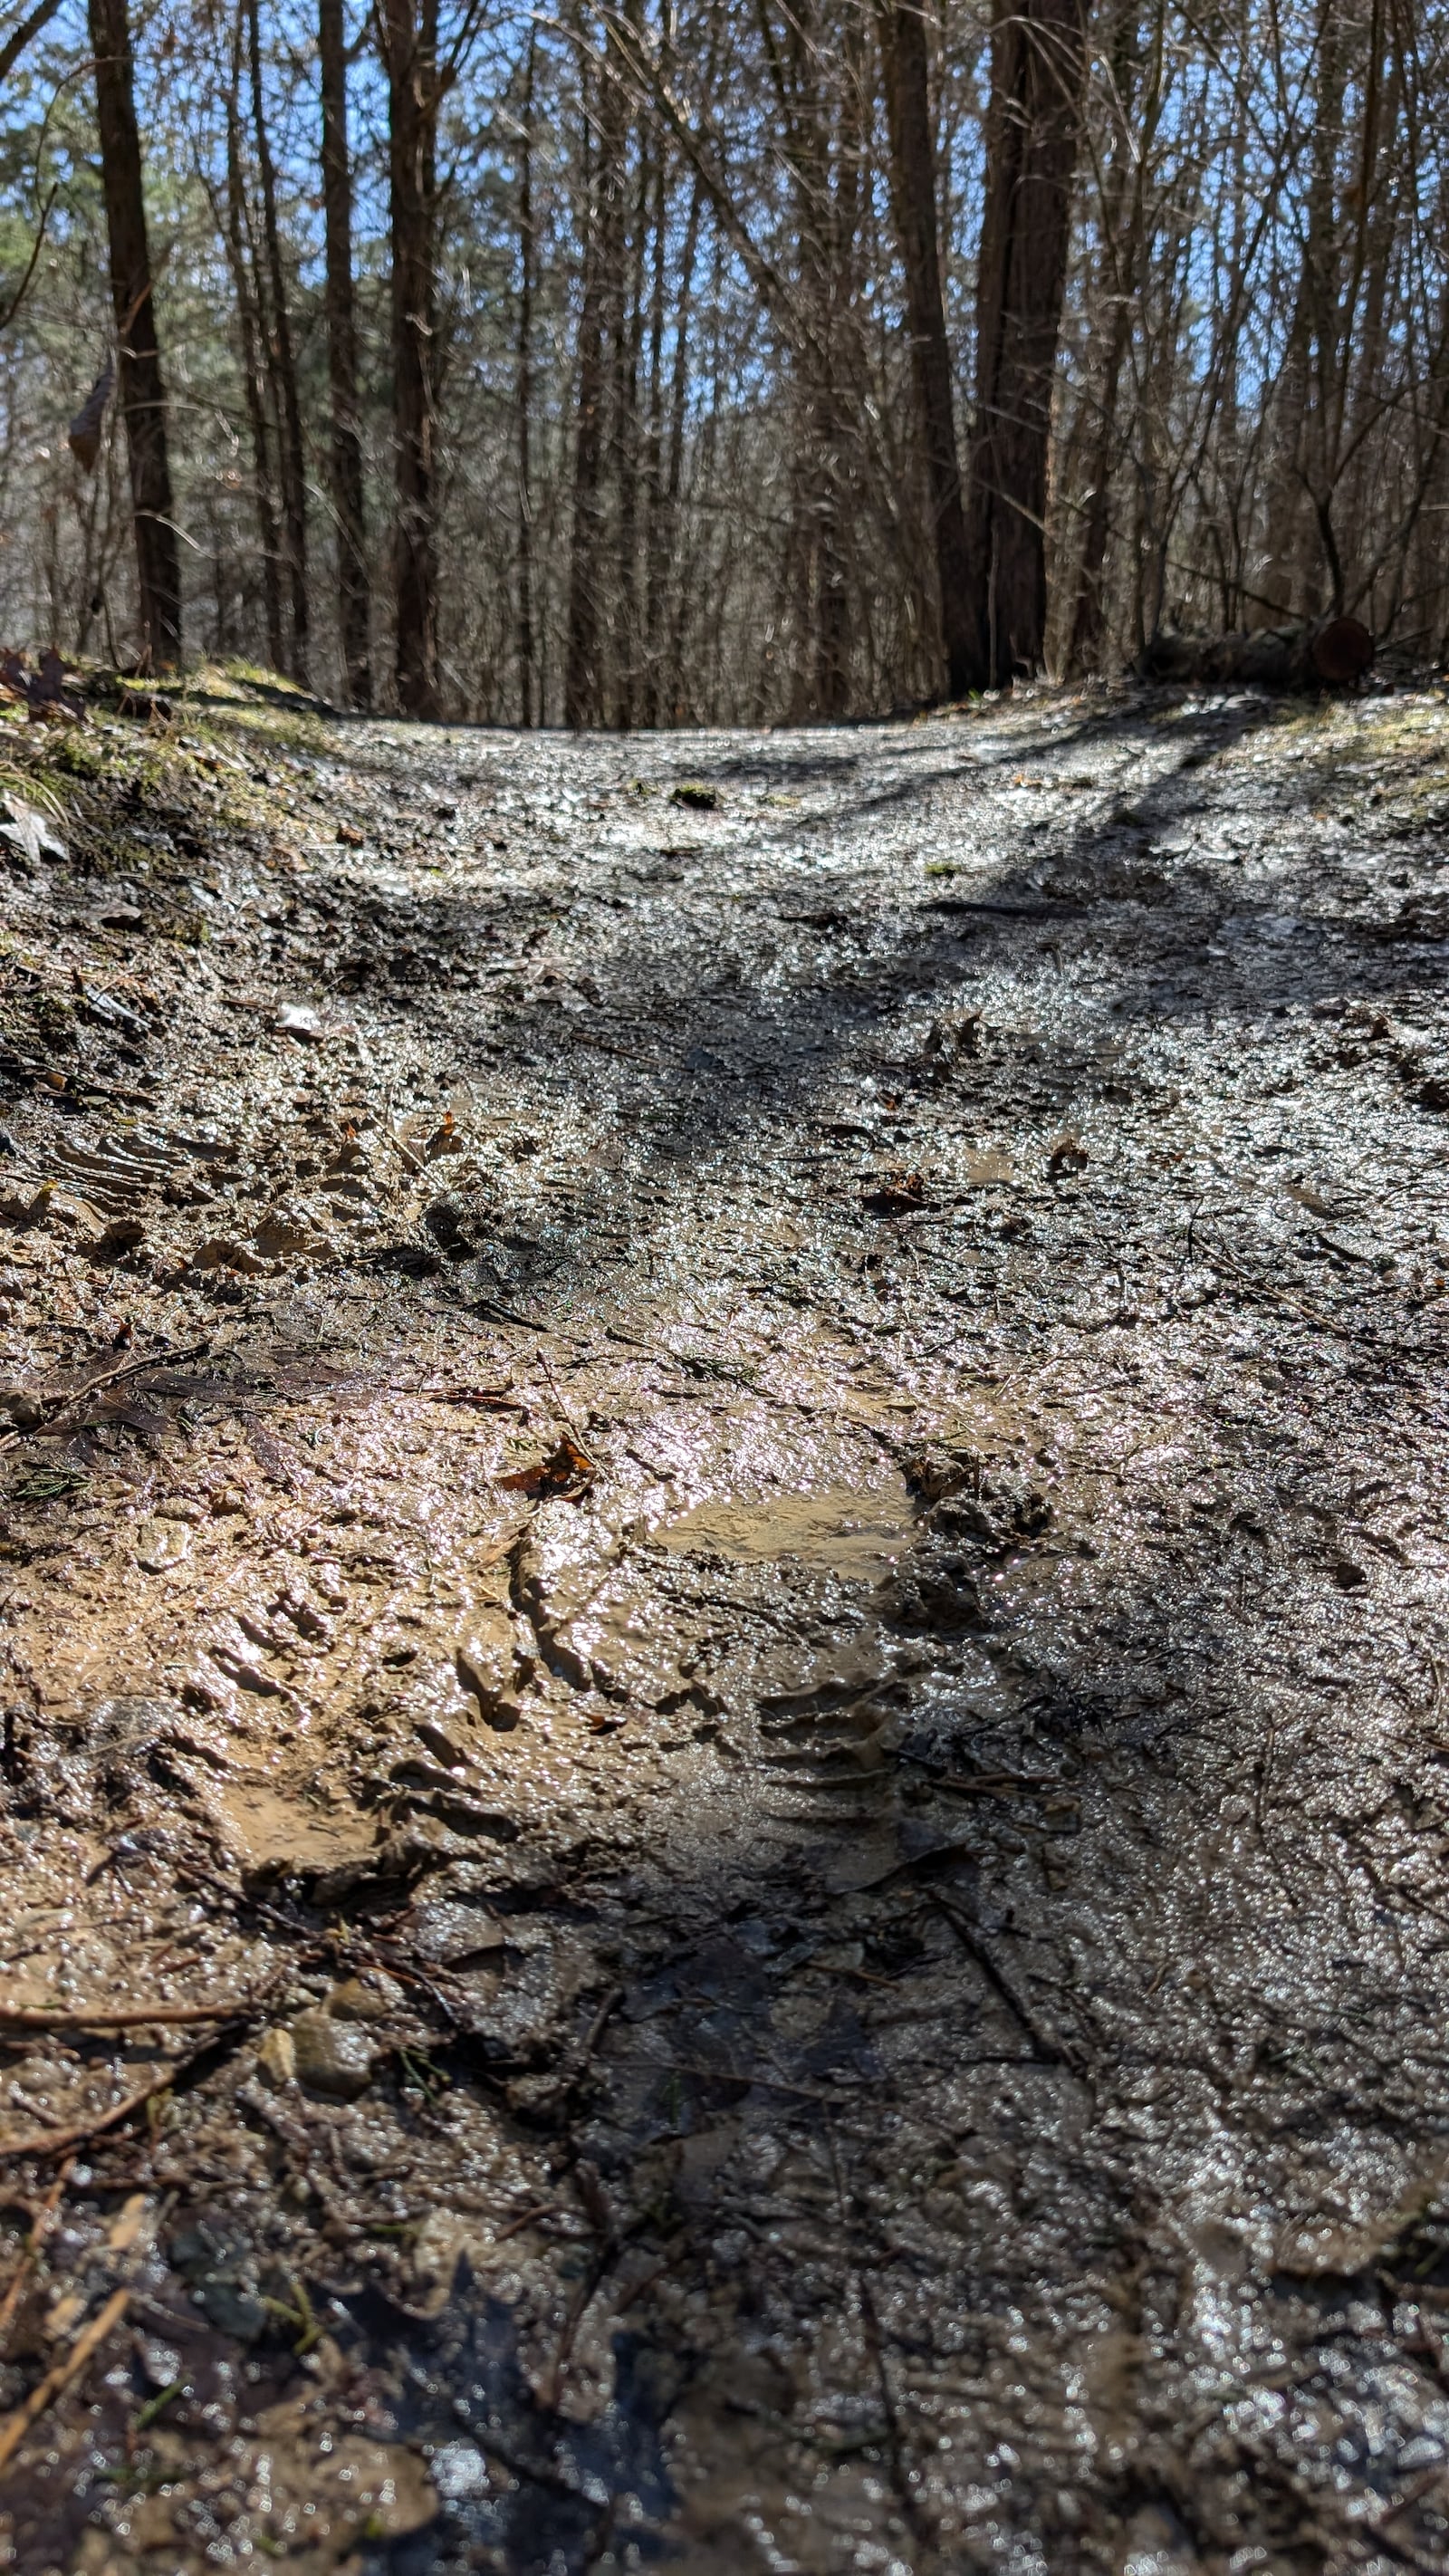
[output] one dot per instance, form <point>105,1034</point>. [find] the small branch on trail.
<point>135,1368</point>
<point>56,2381</point>
<point>132,2017</point>
<point>54,2142</point>
<point>1051,2051</point>
<point>41,2225</point>
<point>60,1402</point>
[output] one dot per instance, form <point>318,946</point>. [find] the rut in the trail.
<point>725,1507</point>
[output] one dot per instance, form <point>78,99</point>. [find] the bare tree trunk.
<point>528,710</point>
<point>655,540</point>
<point>674,470</point>
<point>1293,535</point>
<point>1121,262</point>
<point>354,590</point>
<point>840,214</point>
<point>1038,63</point>
<point>628,350</point>
<point>142,385</point>
<point>252,377</point>
<point>294,481</point>
<point>913,199</point>
<point>584,675</point>
<point>410,59</point>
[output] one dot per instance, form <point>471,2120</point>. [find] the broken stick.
<point>56,2381</point>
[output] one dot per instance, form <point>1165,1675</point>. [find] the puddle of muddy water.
<point>858,1536</point>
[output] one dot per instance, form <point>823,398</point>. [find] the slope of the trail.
<point>724,1610</point>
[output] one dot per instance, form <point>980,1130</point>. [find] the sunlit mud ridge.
<point>725,1762</point>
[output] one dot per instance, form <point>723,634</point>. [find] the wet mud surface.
<point>724,1556</point>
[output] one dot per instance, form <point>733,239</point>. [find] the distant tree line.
<point>684,361</point>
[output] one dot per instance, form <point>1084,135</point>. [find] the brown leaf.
<point>567,1470</point>
<point>899,1193</point>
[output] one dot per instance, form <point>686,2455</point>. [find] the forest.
<point>682,364</point>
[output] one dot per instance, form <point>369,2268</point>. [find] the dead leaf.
<point>566,1471</point>
<point>897,1195</point>
<point>29,833</point>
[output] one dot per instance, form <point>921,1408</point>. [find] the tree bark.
<point>913,200</point>
<point>354,590</point>
<point>655,556</point>
<point>1038,65</point>
<point>674,469</point>
<point>142,384</point>
<point>628,343</point>
<point>1116,290</point>
<point>253,385</point>
<point>528,710</point>
<point>584,675</point>
<point>284,366</point>
<point>410,59</point>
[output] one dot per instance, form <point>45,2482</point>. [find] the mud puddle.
<point>861,1537</point>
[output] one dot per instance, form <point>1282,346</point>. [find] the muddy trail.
<point>725,1769</point>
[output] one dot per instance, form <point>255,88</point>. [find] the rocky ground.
<point>725,1770</point>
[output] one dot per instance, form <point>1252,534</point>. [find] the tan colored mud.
<point>747,1561</point>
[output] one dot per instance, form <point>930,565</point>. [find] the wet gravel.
<point>725,1512</point>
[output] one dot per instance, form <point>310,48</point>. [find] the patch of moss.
<point>74,755</point>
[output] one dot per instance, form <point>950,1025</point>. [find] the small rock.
<point>161,2362</point>
<point>367,1998</point>
<point>219,1253</point>
<point>282,1231</point>
<point>334,2059</point>
<point>490,1666</point>
<point>295,1020</point>
<point>277,2055</point>
<point>446,1934</point>
<point>162,1543</point>
<point>447,1222</point>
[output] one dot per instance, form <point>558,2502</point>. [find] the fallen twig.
<point>1050,2050</point>
<point>43,2222</point>
<point>133,2017</point>
<point>51,2142</point>
<point>56,2381</point>
<point>63,1396</point>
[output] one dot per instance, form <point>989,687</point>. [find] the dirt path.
<point>726,1513</point>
